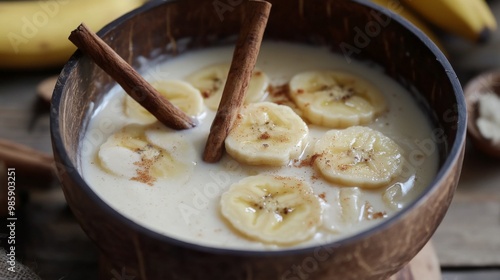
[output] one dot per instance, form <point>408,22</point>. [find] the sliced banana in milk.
<point>272,209</point>
<point>358,156</point>
<point>211,80</point>
<point>336,99</point>
<point>343,210</point>
<point>352,205</point>
<point>266,134</point>
<point>179,93</point>
<point>348,209</point>
<point>146,154</point>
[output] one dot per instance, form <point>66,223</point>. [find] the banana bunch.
<point>398,8</point>
<point>34,34</point>
<point>469,19</point>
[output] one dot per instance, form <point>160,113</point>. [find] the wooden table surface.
<point>53,245</point>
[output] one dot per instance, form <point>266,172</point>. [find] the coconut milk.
<point>188,209</point>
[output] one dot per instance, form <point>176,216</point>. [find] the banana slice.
<point>266,134</point>
<point>336,99</point>
<point>180,93</point>
<point>272,209</point>
<point>344,210</point>
<point>352,206</point>
<point>358,156</point>
<point>396,196</point>
<point>211,80</point>
<point>145,154</point>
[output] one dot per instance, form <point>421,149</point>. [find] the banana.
<point>393,196</point>
<point>398,8</point>
<point>146,153</point>
<point>266,134</point>
<point>180,93</point>
<point>211,80</point>
<point>272,209</point>
<point>352,205</point>
<point>348,209</point>
<point>336,99</point>
<point>470,19</point>
<point>34,34</point>
<point>358,156</point>
<point>344,211</point>
<point>483,11</point>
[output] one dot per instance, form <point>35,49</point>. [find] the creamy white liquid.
<point>189,210</point>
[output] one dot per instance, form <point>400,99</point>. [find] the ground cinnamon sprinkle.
<point>264,136</point>
<point>322,196</point>
<point>343,167</point>
<point>280,94</point>
<point>282,138</point>
<point>205,94</point>
<point>142,171</point>
<point>308,162</point>
<point>378,215</point>
<point>369,213</point>
<point>279,91</point>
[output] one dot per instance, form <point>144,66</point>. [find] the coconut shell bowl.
<point>356,30</point>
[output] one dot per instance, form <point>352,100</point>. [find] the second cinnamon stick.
<point>240,72</point>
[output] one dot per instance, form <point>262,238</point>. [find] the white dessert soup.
<point>165,186</point>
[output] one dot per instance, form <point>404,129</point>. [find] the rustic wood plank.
<point>424,266</point>
<point>22,118</point>
<point>56,247</point>
<point>493,274</point>
<point>470,232</point>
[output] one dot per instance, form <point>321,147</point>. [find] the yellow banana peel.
<point>470,19</point>
<point>402,10</point>
<point>34,34</point>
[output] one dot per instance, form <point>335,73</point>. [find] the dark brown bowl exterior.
<point>346,27</point>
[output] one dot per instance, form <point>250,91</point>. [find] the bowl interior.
<point>367,34</point>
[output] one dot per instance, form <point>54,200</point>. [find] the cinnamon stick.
<point>26,159</point>
<point>133,83</point>
<point>240,72</point>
